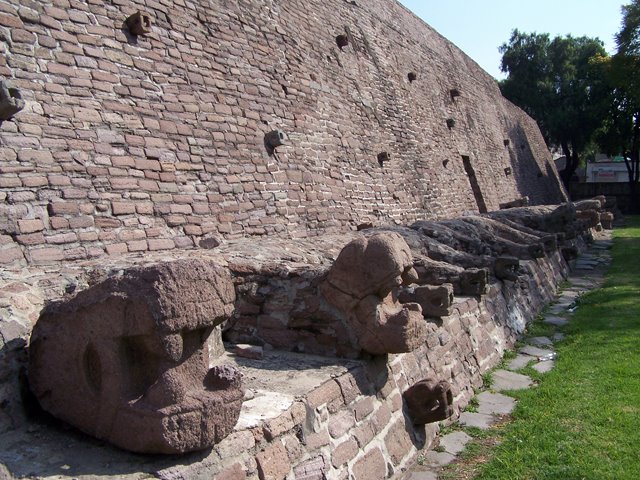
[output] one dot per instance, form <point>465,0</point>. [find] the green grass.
<point>583,420</point>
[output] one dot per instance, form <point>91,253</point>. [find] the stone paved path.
<point>587,274</point>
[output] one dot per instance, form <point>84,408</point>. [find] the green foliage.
<point>620,132</point>
<point>557,82</point>
<point>583,420</point>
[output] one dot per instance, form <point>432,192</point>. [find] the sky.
<point>479,27</point>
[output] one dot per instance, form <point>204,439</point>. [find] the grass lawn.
<point>583,420</point>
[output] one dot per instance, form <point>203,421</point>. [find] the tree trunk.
<point>572,162</point>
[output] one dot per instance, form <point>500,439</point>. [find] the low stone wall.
<point>304,416</point>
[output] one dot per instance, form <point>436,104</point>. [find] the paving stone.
<point>519,362</point>
<point>558,337</point>
<point>558,309</point>
<point>437,459</point>
<point>583,266</point>
<point>423,475</point>
<point>557,321</point>
<point>570,295</point>
<point>506,380</point>
<point>478,420</point>
<point>495,403</point>
<point>536,352</point>
<point>544,367</point>
<point>454,442</point>
<point>540,341</point>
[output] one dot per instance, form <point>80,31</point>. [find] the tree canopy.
<point>557,82</point>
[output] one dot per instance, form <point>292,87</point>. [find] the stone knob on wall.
<point>126,360</point>
<point>11,101</point>
<point>429,401</point>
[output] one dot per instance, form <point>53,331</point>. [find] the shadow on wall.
<point>527,173</point>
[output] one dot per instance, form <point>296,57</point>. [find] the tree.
<point>556,82</point>
<point>621,131</point>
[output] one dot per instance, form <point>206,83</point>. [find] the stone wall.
<point>304,416</point>
<point>146,143</point>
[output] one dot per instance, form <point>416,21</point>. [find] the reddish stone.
<point>138,341</point>
<point>234,472</point>
<point>273,462</point>
<point>398,442</point>
<point>429,401</point>
<point>370,467</point>
<point>362,284</point>
<point>344,452</point>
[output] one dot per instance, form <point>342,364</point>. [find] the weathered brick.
<point>326,392</point>
<point>234,472</point>
<point>363,408</point>
<point>235,444</point>
<point>370,467</point>
<point>46,255</point>
<point>30,225</point>
<point>117,248</point>
<point>83,221</point>
<point>278,426</point>
<point>123,208</point>
<point>341,423</point>
<point>10,255</point>
<point>273,462</point>
<point>344,452</point>
<point>398,442</point>
<point>161,244</point>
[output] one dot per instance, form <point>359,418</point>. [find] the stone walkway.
<point>538,352</point>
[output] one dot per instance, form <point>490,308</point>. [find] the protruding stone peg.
<point>275,138</point>
<point>474,281</point>
<point>506,268</point>
<point>139,23</point>
<point>435,300</point>
<point>11,101</point>
<point>429,401</point>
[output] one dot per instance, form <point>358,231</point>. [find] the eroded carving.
<point>435,300</point>
<point>363,284</point>
<point>129,354</point>
<point>506,268</point>
<point>139,23</point>
<point>11,101</point>
<point>429,401</point>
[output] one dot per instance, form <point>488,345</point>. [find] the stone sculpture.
<point>429,401</point>
<point>126,360</point>
<point>139,23</point>
<point>363,285</point>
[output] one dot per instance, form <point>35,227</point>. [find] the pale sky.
<point>479,27</point>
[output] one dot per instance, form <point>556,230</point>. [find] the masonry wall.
<point>144,143</point>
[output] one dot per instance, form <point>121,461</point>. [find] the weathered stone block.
<point>11,101</point>
<point>139,23</point>
<point>506,268</point>
<point>474,281</point>
<point>128,355</point>
<point>429,401</point>
<point>435,300</point>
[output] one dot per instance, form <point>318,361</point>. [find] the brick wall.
<point>149,143</point>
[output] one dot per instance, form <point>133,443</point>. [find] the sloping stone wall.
<point>146,143</point>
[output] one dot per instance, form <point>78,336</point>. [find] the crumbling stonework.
<point>151,142</point>
<point>316,415</point>
<point>370,155</point>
